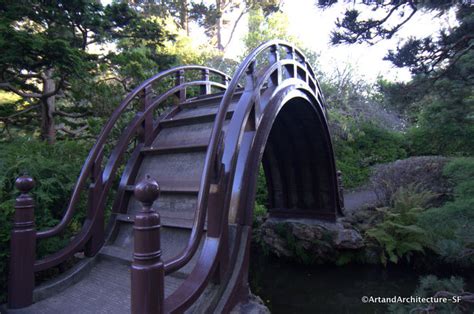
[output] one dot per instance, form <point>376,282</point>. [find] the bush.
<point>451,226</point>
<point>55,169</point>
<point>367,145</point>
<point>445,124</point>
<point>426,173</point>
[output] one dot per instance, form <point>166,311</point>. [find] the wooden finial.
<point>24,183</point>
<point>147,191</point>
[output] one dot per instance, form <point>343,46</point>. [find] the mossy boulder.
<point>308,240</point>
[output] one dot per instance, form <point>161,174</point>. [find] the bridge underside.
<point>296,162</point>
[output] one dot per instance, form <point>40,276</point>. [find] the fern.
<point>398,234</point>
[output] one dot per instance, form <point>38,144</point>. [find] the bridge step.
<point>204,110</point>
<point>167,220</point>
<point>184,135</point>
<point>174,149</point>
<point>173,241</point>
<point>175,209</point>
<point>176,160</point>
<point>106,289</point>
<point>182,166</point>
<point>214,99</point>
<point>186,120</point>
<point>174,186</point>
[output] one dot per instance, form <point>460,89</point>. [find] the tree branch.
<point>74,133</point>
<point>70,115</point>
<point>244,11</point>
<point>10,87</point>
<point>114,78</point>
<point>19,113</point>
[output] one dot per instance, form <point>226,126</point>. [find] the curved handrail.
<point>111,167</point>
<point>85,171</point>
<point>216,136</point>
<point>200,274</point>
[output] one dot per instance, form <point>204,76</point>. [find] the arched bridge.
<point>186,145</point>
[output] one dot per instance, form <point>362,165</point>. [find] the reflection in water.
<point>291,288</point>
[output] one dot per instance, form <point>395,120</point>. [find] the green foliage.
<point>440,109</point>
<point>37,36</point>
<point>261,198</point>
<point>431,286</point>
<point>49,47</point>
<point>55,169</point>
<point>259,212</point>
<point>266,27</point>
<point>450,227</point>
<point>446,120</point>
<point>367,145</point>
<point>398,234</point>
<point>461,172</point>
<point>262,190</point>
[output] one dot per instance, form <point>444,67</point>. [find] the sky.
<point>312,26</point>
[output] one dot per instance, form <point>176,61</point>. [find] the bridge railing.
<point>219,166</point>
<point>220,162</point>
<point>140,104</point>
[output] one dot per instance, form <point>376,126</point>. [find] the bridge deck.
<point>106,289</point>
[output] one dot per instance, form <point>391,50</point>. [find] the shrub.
<point>426,173</point>
<point>366,145</point>
<point>451,226</point>
<point>55,169</point>
<point>445,124</point>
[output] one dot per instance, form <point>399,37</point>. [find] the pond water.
<point>290,288</point>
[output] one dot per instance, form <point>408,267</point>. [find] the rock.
<point>348,239</point>
<point>254,305</point>
<point>309,240</point>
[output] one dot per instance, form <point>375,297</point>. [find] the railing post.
<point>95,188</point>
<point>340,185</point>
<point>205,89</point>
<point>146,131</point>
<point>178,81</point>
<point>148,274</point>
<point>23,247</point>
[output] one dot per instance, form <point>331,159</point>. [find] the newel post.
<point>147,268</point>
<point>23,247</point>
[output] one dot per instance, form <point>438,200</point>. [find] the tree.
<point>438,99</point>
<point>209,15</point>
<point>444,121</point>
<point>263,27</point>
<point>46,45</point>
<point>430,55</point>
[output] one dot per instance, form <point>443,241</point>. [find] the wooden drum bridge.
<point>170,189</point>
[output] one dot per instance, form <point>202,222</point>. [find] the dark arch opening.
<point>298,164</point>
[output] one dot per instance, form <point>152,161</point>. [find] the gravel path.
<point>354,200</point>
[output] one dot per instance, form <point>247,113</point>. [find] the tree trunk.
<point>184,16</point>
<point>48,130</point>
<point>219,5</point>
